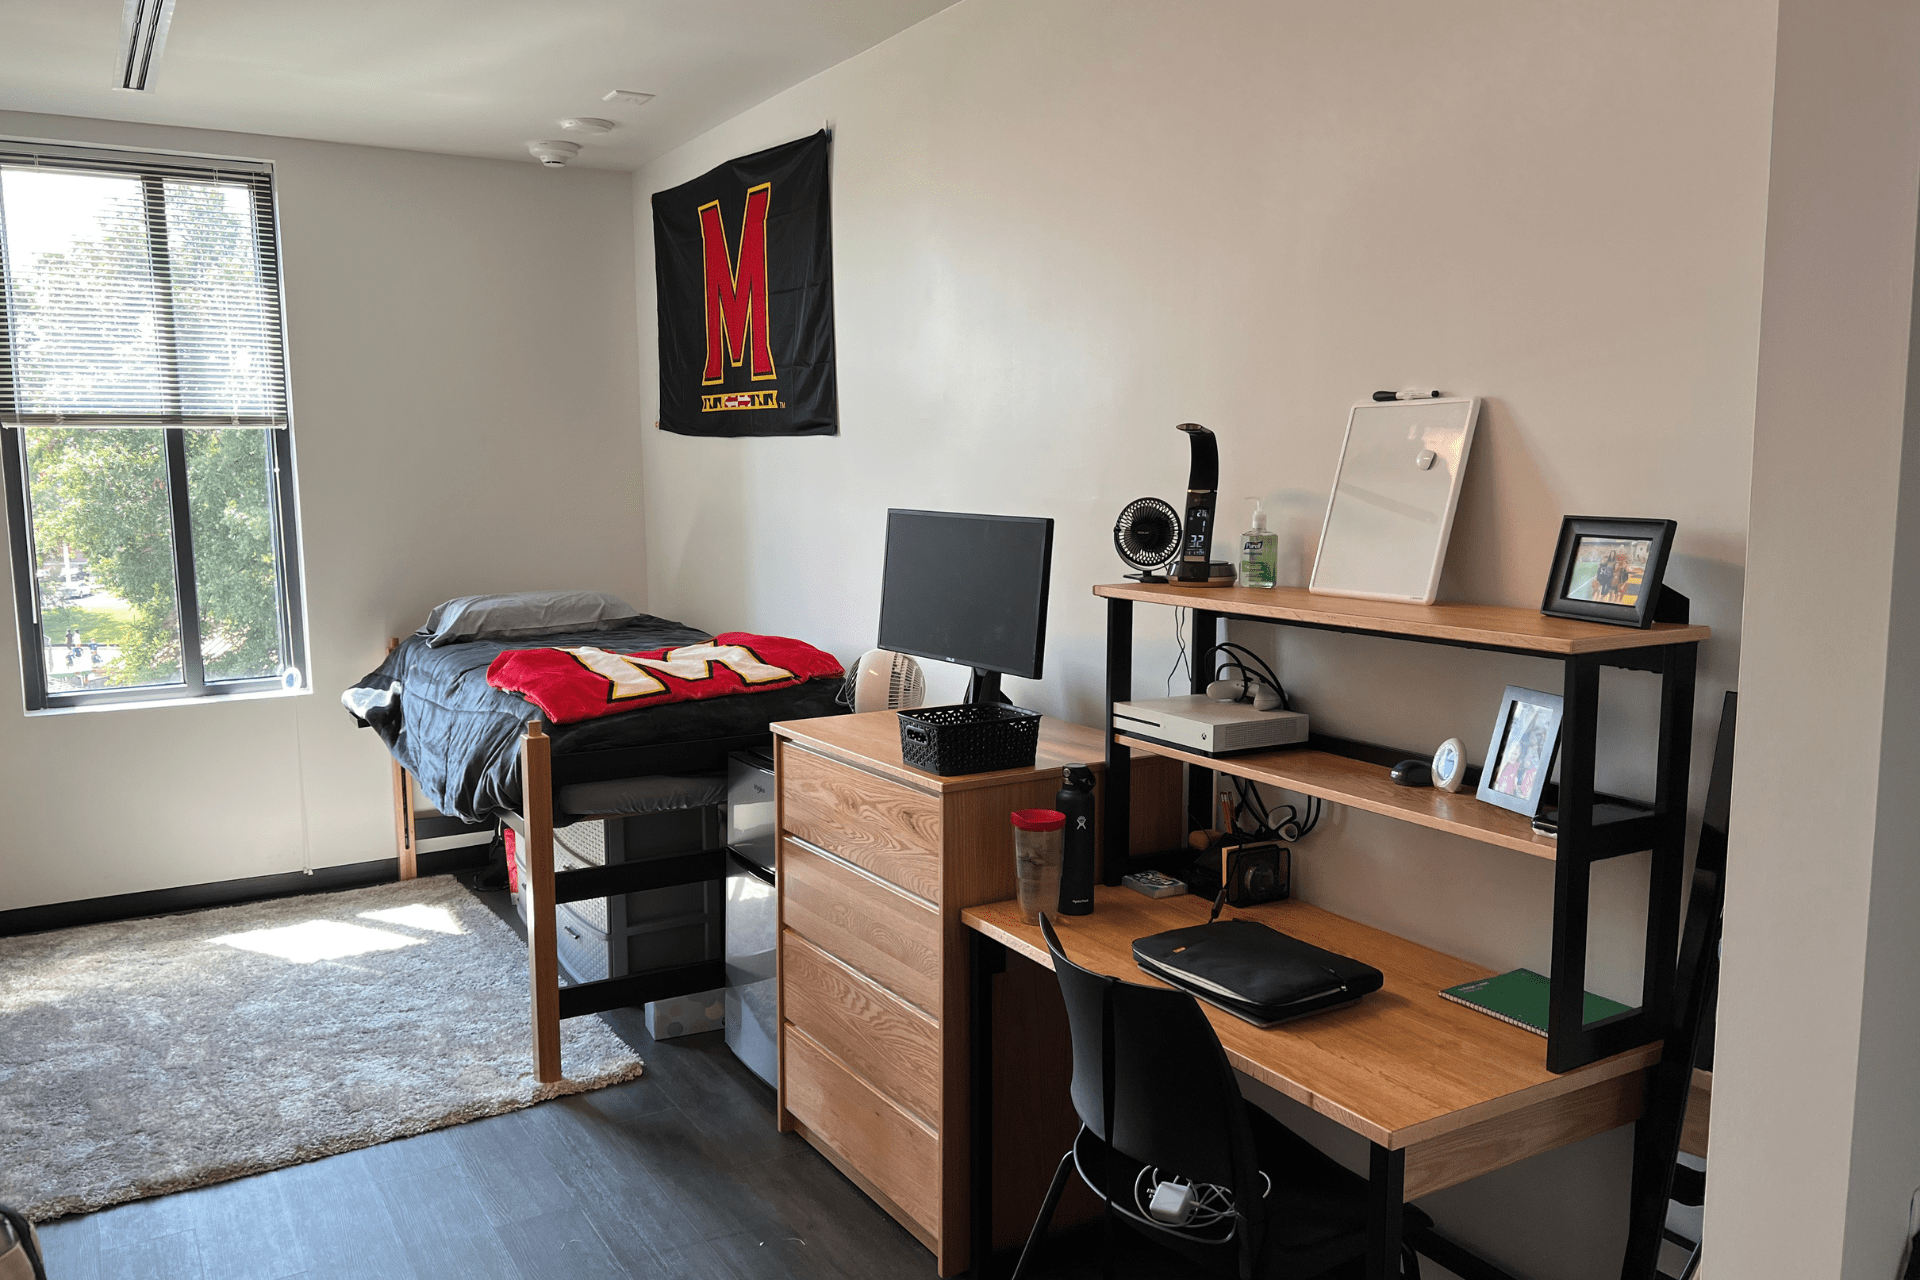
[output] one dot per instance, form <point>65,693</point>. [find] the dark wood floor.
<point>677,1174</point>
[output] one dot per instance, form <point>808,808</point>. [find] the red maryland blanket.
<point>581,683</point>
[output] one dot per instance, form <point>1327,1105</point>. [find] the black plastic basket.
<point>969,739</point>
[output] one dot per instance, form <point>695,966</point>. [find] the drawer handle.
<point>828,856</point>
<point>570,932</point>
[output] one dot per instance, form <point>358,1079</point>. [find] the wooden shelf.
<point>1610,828</point>
<point>1367,786</point>
<point>1490,626</point>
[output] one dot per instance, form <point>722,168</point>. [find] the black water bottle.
<point>1076,864</point>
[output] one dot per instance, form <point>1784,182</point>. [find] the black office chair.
<point>1658,1177</point>
<point>1149,1071</point>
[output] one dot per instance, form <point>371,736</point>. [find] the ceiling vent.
<point>143,32</point>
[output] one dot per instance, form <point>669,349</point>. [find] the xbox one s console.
<point>1199,724</point>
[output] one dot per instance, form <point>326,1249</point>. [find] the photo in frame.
<point>1609,570</point>
<point>1526,736</point>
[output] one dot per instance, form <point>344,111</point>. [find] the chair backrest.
<point>1656,1142</point>
<point>1697,981</point>
<point>1174,1102</point>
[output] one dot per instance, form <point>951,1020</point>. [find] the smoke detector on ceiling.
<point>587,124</point>
<point>553,155</point>
<point>628,97</point>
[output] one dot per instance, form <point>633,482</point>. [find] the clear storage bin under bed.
<point>631,933</point>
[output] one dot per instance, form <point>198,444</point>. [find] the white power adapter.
<point>1265,696</point>
<point>1172,1204</point>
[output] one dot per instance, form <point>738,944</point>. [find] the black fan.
<point>1147,536</point>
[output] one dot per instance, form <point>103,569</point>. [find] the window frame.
<point>154,168</point>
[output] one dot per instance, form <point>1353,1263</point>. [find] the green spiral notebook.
<point>1520,999</point>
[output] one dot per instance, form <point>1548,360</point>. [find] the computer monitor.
<point>968,589</point>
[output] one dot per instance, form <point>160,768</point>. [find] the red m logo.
<point>736,290</point>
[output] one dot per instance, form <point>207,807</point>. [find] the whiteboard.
<point>1392,505</point>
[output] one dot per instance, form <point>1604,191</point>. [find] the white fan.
<point>886,681</point>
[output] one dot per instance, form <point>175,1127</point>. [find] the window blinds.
<point>140,289</point>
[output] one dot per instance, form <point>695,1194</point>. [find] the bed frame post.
<point>403,834</point>
<point>543,958</point>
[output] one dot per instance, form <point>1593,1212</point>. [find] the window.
<point>144,427</point>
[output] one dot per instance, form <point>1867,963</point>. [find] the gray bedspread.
<point>459,737</point>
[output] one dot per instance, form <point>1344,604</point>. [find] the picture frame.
<point>1609,570</point>
<point>1526,739</point>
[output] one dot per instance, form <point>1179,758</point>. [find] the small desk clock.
<point>1450,765</point>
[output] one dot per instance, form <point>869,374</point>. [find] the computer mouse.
<point>1413,773</point>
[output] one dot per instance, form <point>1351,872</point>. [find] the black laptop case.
<point>1254,972</point>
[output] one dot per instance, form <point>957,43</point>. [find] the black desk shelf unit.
<point>1355,773</point>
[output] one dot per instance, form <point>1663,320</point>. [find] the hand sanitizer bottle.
<point>1259,551</point>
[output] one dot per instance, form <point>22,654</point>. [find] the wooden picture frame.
<point>1609,570</point>
<point>1526,738</point>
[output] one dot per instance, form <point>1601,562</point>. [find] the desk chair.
<point>1154,1090</point>
<point>1657,1174</point>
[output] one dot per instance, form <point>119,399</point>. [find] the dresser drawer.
<point>875,928</point>
<point>888,1042</point>
<point>885,1145</point>
<point>879,825</point>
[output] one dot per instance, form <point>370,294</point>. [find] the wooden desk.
<point>1443,1093</point>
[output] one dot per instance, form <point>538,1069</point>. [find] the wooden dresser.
<point>876,861</point>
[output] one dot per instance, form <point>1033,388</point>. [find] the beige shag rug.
<point>151,1056</point>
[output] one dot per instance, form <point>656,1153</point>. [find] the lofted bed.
<point>480,754</point>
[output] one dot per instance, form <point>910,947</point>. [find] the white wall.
<point>1062,228</point>
<point>465,420</point>
<point>1816,1119</point>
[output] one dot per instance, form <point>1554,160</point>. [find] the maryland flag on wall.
<point>743,263</point>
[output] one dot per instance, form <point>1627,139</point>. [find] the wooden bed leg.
<point>404,808</point>
<point>403,837</point>
<point>543,959</point>
<point>403,823</point>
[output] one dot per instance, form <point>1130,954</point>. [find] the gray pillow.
<point>524,613</point>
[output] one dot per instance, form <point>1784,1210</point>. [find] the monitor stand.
<point>984,689</point>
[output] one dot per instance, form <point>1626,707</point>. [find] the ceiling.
<point>480,78</point>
